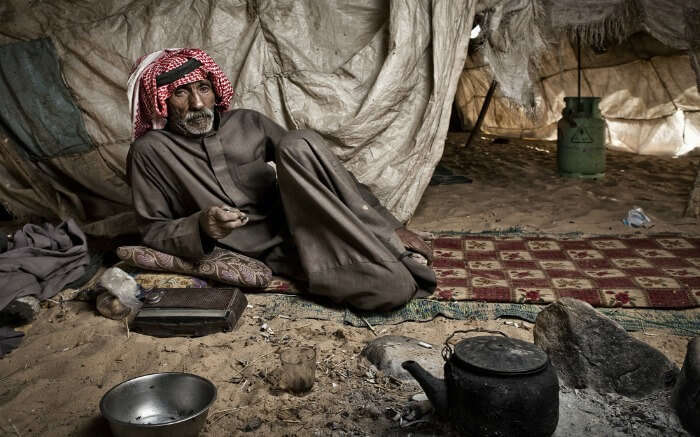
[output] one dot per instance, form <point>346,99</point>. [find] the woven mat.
<point>661,271</point>
<point>680,322</point>
<point>628,271</point>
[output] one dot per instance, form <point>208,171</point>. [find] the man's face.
<point>191,109</point>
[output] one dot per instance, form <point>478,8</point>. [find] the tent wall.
<point>375,78</point>
<point>649,96</point>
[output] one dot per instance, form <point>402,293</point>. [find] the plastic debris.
<point>419,397</point>
<point>636,218</point>
<point>122,286</point>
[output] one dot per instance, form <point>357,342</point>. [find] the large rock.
<point>589,350</point>
<point>686,393</point>
<point>388,352</point>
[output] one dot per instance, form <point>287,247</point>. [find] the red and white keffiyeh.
<point>147,101</point>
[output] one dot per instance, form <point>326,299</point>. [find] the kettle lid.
<point>500,355</point>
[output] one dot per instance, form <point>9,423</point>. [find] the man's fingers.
<point>427,253</point>
<point>421,248</point>
<point>230,216</point>
<point>233,224</point>
<point>219,221</point>
<point>222,215</point>
<point>424,250</point>
<point>415,243</point>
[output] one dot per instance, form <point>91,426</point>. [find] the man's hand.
<point>415,243</point>
<point>218,221</point>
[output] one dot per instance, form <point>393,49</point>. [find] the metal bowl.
<point>161,404</point>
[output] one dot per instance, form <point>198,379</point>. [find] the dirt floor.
<point>52,384</point>
<point>516,185</point>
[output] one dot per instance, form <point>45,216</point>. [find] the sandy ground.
<point>71,356</point>
<point>516,185</point>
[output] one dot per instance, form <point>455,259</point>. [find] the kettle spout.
<point>434,388</point>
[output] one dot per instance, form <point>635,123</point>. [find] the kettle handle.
<point>447,350</point>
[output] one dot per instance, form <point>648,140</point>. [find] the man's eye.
<point>180,93</point>
<point>204,89</point>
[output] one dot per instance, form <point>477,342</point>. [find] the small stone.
<point>686,393</point>
<point>334,425</point>
<point>253,424</point>
<point>23,309</point>
<point>590,350</point>
<point>416,409</point>
<point>372,411</point>
<point>389,351</point>
<point>111,307</point>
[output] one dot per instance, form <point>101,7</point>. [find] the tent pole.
<point>487,101</point>
<point>578,44</point>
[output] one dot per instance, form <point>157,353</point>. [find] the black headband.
<point>177,72</point>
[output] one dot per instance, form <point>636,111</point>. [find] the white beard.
<point>198,123</point>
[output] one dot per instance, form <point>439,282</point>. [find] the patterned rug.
<point>660,271</point>
<point>629,271</point>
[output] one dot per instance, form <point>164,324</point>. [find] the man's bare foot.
<point>413,242</point>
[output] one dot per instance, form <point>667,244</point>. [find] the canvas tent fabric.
<point>649,98</point>
<point>647,78</point>
<point>34,65</point>
<point>375,78</point>
<point>518,31</point>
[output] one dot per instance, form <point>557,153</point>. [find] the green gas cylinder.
<point>581,139</point>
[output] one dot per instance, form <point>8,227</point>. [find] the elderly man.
<point>204,176</point>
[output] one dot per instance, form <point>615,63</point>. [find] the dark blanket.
<point>9,340</point>
<point>41,260</point>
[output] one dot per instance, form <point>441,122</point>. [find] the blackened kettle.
<point>494,386</point>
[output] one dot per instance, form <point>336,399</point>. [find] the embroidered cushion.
<point>221,265</point>
<point>148,279</point>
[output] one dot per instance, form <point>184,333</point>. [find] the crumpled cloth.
<point>41,260</point>
<point>9,340</point>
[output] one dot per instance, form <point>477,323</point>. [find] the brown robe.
<point>309,218</point>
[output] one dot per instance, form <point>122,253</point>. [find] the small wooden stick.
<point>371,328</point>
<point>227,410</point>
<point>126,323</point>
<point>240,372</point>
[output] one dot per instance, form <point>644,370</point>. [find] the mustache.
<point>197,115</point>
